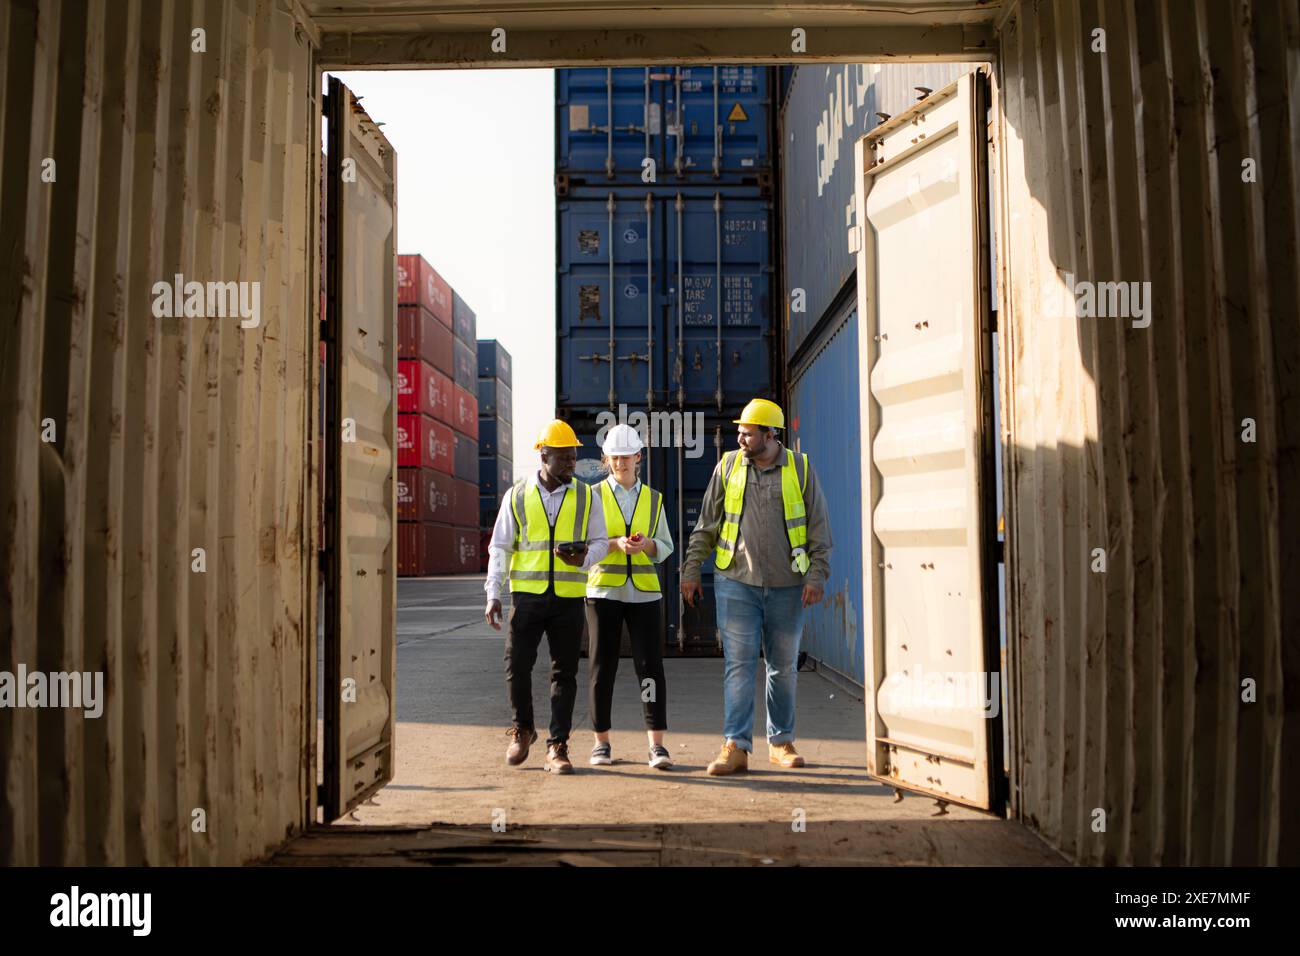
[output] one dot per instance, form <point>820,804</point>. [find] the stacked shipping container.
<point>495,438</point>
<point>437,426</point>
<point>665,289</point>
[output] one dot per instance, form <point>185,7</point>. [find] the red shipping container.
<point>420,335</point>
<point>442,395</point>
<point>410,549</point>
<point>425,548</point>
<point>464,512</point>
<point>424,494</point>
<point>422,388</point>
<point>465,414</point>
<point>463,553</point>
<point>418,283</point>
<point>484,539</point>
<point>423,443</point>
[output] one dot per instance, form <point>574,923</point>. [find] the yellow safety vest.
<point>533,565</point>
<point>612,570</point>
<point>794,478</point>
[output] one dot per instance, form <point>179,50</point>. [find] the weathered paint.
<point>922,294</point>
<point>170,433</point>
<point>1126,694</point>
<point>1127,166</point>
<point>360,570</point>
<point>824,423</point>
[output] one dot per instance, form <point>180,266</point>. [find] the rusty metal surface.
<point>633,32</point>
<point>1127,166</point>
<point>173,434</point>
<point>165,434</point>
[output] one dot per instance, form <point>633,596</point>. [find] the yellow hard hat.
<point>762,412</point>
<point>557,434</point>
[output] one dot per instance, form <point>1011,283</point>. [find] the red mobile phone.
<point>636,538</point>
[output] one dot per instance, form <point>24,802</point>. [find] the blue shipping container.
<point>493,360</point>
<point>494,399</point>
<point>828,108</point>
<point>495,437</point>
<point>825,423</point>
<point>621,261</point>
<point>495,475</point>
<point>465,326</point>
<point>649,106</point>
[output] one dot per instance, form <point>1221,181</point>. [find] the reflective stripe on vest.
<point>612,570</point>
<point>533,566</point>
<point>794,479</point>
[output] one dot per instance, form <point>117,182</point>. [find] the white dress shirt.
<point>663,539</point>
<point>503,533</point>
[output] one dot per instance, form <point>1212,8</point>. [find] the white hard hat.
<point>622,440</point>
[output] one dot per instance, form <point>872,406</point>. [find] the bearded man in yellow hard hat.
<point>551,530</point>
<point>764,520</point>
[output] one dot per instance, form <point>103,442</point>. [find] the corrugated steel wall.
<point>825,424</point>
<point>169,434</point>
<point>1127,165</point>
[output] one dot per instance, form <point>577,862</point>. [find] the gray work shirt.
<point>762,554</point>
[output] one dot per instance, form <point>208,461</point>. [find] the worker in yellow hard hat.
<point>764,520</point>
<point>552,528</point>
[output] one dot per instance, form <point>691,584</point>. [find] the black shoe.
<point>600,755</point>
<point>659,757</point>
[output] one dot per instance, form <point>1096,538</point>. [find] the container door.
<point>719,273</point>
<point>610,285</point>
<point>360,428</point>
<point>922,270</point>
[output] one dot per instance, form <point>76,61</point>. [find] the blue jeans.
<point>746,616</point>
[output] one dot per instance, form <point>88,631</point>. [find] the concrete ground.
<point>452,775</point>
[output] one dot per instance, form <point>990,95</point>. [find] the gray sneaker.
<point>600,755</point>
<point>659,758</point>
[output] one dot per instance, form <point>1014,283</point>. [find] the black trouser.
<point>605,619</point>
<point>560,619</point>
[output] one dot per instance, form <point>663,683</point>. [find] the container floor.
<point>452,780</point>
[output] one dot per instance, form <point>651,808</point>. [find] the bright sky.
<point>476,197</point>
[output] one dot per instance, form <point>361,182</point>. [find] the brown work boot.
<point>784,754</point>
<point>731,759</point>
<point>557,758</point>
<point>520,741</point>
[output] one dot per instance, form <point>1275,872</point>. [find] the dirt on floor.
<point>453,785</point>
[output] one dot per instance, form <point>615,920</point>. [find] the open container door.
<point>925,405</point>
<point>360,480</point>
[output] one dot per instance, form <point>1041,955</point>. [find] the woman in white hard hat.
<point>623,588</point>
